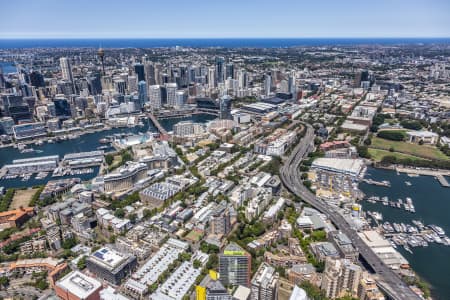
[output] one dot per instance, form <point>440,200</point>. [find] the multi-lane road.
<point>387,279</point>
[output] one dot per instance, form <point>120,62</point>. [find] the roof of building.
<point>242,293</point>
<point>353,166</point>
<point>79,284</point>
<point>422,134</point>
<point>13,215</point>
<point>108,257</point>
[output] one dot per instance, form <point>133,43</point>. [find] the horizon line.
<point>220,38</point>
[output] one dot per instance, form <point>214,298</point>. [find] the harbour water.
<point>432,204</point>
<point>86,142</point>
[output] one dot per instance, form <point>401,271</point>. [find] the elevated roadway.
<point>387,279</point>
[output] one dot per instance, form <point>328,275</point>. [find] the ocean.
<point>210,42</point>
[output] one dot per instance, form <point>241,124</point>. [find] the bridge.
<point>180,113</point>
<point>387,279</point>
<point>164,135</point>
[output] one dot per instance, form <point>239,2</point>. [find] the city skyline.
<point>199,19</point>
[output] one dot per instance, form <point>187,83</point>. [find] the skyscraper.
<point>235,266</point>
<point>149,72</point>
<point>171,89</point>
<point>139,71</point>
<point>242,79</point>
<point>229,71</point>
<point>66,69</point>
<point>36,79</point>
<point>155,96</point>
<point>120,86</point>
<point>180,98</point>
<point>211,78</point>
<point>142,92</point>
<point>94,84</point>
<point>225,108</point>
<point>267,84</point>
<point>220,72</point>
<point>292,86</point>
<point>132,84</point>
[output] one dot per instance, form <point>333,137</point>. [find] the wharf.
<point>442,180</point>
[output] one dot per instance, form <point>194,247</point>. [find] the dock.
<point>378,183</point>
<point>442,180</point>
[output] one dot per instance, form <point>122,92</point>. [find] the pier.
<point>442,180</point>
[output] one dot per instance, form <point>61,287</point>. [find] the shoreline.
<point>414,171</point>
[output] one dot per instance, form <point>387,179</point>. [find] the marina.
<point>426,251</point>
<point>73,144</point>
<point>406,205</point>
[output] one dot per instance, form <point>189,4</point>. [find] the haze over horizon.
<point>231,19</point>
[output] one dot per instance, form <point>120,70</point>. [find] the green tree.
<point>120,213</point>
<point>109,158</point>
<point>81,264</point>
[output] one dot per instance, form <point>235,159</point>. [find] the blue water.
<point>198,42</point>
<point>7,67</point>
<point>432,203</point>
<point>86,142</point>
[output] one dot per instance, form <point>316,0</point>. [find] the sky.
<point>223,19</point>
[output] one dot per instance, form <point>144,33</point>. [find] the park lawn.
<point>22,198</point>
<point>117,160</point>
<point>377,155</point>
<point>423,151</point>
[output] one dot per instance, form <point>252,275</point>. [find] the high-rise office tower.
<point>62,108</point>
<point>229,71</point>
<point>120,86</point>
<point>66,69</point>
<point>192,73</point>
<point>149,70</point>
<point>220,72</point>
<point>155,96</point>
<point>171,90</point>
<point>235,266</point>
<point>94,84</point>
<point>264,283</point>
<point>36,79</point>
<point>184,76</point>
<point>292,86</point>
<point>225,108</point>
<point>142,93</point>
<point>132,84</point>
<point>267,84</point>
<point>242,79</point>
<point>180,98</point>
<point>158,73</point>
<point>2,79</point>
<point>139,71</point>
<point>211,78</point>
